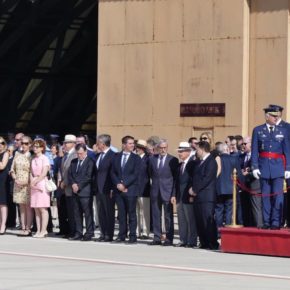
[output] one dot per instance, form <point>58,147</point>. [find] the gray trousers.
<point>186,223</point>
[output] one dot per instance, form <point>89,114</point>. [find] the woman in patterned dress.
<point>4,156</point>
<point>20,172</point>
<point>39,198</point>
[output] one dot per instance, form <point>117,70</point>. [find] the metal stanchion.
<point>234,214</point>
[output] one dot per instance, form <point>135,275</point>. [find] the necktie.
<point>182,168</point>
<point>271,130</point>
<point>101,158</point>
<point>160,163</point>
<point>125,156</point>
<point>79,165</point>
<point>65,156</point>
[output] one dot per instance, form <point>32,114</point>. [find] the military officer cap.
<point>276,107</point>
<point>273,110</point>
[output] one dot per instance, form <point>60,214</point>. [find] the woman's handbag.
<point>50,186</point>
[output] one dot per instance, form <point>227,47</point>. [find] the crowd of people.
<point>146,185</point>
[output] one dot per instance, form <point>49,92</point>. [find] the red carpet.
<point>256,241</point>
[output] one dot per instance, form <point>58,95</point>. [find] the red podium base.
<point>256,241</point>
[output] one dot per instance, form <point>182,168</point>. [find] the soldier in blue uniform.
<point>270,164</point>
<point>282,123</point>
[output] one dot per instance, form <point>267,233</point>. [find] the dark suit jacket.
<point>249,180</point>
<point>103,179</point>
<point>144,179</point>
<point>184,181</point>
<point>204,180</point>
<point>163,182</point>
<point>83,178</point>
<point>128,176</point>
<point>224,183</point>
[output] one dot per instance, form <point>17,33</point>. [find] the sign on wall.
<point>203,110</point>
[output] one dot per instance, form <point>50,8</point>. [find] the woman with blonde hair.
<point>207,137</point>
<point>4,172</point>
<point>20,172</point>
<point>40,197</point>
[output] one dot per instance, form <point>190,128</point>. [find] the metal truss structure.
<point>48,64</point>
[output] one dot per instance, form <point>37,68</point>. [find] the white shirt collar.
<point>106,150</point>
<point>268,126</point>
<point>71,151</point>
<point>206,156</point>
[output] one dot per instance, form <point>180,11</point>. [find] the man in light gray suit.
<point>163,169</point>
<point>70,154</point>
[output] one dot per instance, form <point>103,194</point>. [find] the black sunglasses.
<point>203,139</point>
<point>2,143</point>
<point>24,143</point>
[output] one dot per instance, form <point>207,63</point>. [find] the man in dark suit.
<point>104,188</point>
<point>204,192</point>
<point>185,210</point>
<point>163,169</point>
<point>143,202</point>
<point>251,202</point>
<point>224,188</point>
<point>124,174</point>
<point>80,180</point>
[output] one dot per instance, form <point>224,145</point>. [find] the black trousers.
<point>62,215</point>
<point>83,206</point>
<point>106,214</point>
<point>206,225</point>
<point>11,218</point>
<point>127,207</point>
<point>156,205</point>
<point>70,214</point>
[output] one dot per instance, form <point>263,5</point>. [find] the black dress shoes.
<point>87,238</point>
<point>118,240</point>
<point>265,227</point>
<point>107,240</point>
<point>275,228</point>
<point>75,238</point>
<point>167,243</point>
<point>100,239</point>
<point>132,241</point>
<point>180,245</point>
<point>190,246</point>
<point>154,243</point>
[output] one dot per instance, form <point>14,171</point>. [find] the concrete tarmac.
<point>55,263</point>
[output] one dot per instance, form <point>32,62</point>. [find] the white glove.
<point>257,173</point>
<point>287,174</point>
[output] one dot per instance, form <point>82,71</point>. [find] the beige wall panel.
<point>228,79</point>
<point>167,83</point>
<point>111,11</point>
<point>197,71</point>
<point>198,19</point>
<point>168,24</point>
<point>269,18</point>
<point>227,18</point>
<point>111,85</point>
<point>139,21</point>
<point>139,84</point>
<point>270,71</point>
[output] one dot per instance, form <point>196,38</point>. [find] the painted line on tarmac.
<point>154,266</point>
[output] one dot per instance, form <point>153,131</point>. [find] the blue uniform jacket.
<point>224,184</point>
<point>262,141</point>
